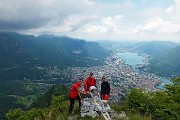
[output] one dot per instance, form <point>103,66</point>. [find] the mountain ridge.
<point>20,53</point>
<point>166,64</point>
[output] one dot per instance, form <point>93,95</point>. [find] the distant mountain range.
<point>166,55</point>
<point>26,59</point>
<point>154,48</point>
<point>167,63</point>
<point>20,53</point>
<point>116,45</point>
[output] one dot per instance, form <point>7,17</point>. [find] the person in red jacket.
<point>90,81</point>
<point>75,94</point>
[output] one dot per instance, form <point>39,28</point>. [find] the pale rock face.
<point>94,106</point>
<point>89,107</point>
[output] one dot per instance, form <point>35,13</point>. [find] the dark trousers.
<point>72,100</point>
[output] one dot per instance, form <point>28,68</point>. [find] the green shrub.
<point>162,105</point>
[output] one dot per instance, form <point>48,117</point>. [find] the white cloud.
<point>119,17</point>
<point>75,22</point>
<point>94,29</point>
<point>90,20</point>
<point>25,14</point>
<point>108,21</point>
<point>112,23</point>
<point>177,11</point>
<point>157,26</point>
<point>169,10</point>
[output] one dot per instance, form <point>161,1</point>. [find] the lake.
<point>134,59</point>
<point>164,81</point>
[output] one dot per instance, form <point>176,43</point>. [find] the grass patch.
<point>118,107</point>
<point>131,115</point>
<point>137,116</point>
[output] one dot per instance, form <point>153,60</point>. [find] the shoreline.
<point>145,61</point>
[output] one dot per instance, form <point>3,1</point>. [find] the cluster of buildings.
<point>122,77</point>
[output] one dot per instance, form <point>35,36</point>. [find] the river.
<point>134,59</point>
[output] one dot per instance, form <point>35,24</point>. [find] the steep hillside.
<point>139,105</point>
<point>116,45</point>
<point>29,64</point>
<point>166,64</point>
<point>155,47</point>
<point>20,55</point>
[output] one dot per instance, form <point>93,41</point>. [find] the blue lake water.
<point>131,58</point>
<point>164,81</point>
<point>134,59</point>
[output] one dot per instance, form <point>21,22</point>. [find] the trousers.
<point>72,100</point>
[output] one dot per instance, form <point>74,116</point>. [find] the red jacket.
<point>88,83</point>
<point>73,92</point>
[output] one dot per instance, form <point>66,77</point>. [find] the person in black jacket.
<point>105,89</point>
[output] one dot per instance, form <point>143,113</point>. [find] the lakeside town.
<point>122,77</point>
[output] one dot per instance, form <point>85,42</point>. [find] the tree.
<point>162,105</point>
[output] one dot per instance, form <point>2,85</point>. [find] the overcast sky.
<point>135,20</point>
